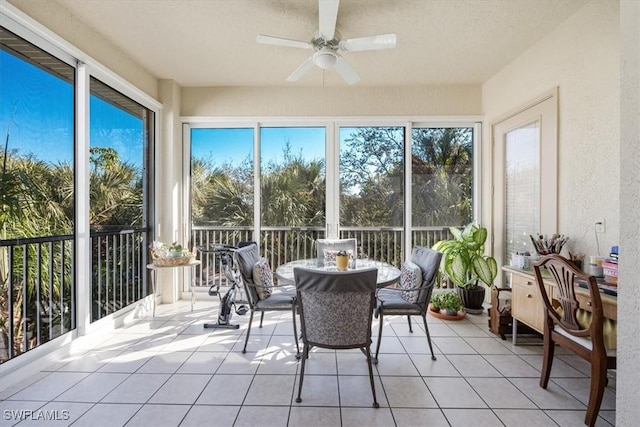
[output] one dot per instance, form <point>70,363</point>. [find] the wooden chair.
<point>561,327</point>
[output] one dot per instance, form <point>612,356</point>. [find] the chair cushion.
<point>410,278</point>
<point>584,342</point>
<point>277,301</point>
<point>263,278</point>
<point>391,301</point>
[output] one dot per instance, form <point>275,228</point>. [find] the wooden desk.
<point>154,277</point>
<point>526,303</point>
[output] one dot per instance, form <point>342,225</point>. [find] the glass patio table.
<point>387,273</point>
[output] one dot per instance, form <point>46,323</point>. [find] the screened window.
<point>442,176</point>
<point>371,176</point>
<point>37,197</point>
<point>120,134</point>
<point>222,177</point>
<point>292,169</point>
<point>317,183</point>
<point>37,117</point>
<point>119,140</point>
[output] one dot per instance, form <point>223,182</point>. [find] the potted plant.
<point>168,255</point>
<point>436,302</point>
<point>451,303</point>
<point>464,262</point>
<point>342,260</point>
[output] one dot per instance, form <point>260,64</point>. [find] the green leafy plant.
<point>463,259</point>
<point>342,253</point>
<point>451,302</point>
<point>436,302</point>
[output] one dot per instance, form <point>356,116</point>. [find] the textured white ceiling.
<point>212,42</point>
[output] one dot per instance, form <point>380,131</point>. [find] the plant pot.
<point>443,316</point>
<point>472,298</point>
<point>342,261</point>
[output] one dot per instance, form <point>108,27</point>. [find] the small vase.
<point>342,261</point>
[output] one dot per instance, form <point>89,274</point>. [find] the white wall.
<point>59,20</point>
<point>599,148</point>
<point>169,223</point>
<point>628,410</point>
<point>582,58</point>
<point>350,101</point>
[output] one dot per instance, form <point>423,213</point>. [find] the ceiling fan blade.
<point>346,72</point>
<point>301,70</point>
<point>278,41</point>
<point>328,15</point>
<point>382,41</point>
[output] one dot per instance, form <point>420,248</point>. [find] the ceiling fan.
<point>326,43</point>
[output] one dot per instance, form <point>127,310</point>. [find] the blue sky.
<point>236,144</point>
<point>40,107</point>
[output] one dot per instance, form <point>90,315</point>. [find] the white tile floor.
<point>170,371</point>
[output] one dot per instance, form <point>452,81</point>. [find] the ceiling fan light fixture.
<point>325,59</point>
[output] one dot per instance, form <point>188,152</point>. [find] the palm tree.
<point>115,191</point>
<point>29,209</point>
<point>442,165</point>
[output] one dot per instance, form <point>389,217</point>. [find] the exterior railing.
<point>280,245</point>
<point>118,270</point>
<point>37,294</point>
<point>37,284</point>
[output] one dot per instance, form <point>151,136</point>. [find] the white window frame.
<point>332,143</point>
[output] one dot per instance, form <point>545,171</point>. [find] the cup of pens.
<point>545,245</point>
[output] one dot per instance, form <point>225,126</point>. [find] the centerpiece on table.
<point>342,260</point>
<point>165,255</point>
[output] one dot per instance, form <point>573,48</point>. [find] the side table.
<point>154,277</point>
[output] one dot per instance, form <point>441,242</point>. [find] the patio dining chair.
<point>261,293</point>
<point>412,297</point>
<point>335,312</point>
<point>327,248</point>
<point>563,326</point>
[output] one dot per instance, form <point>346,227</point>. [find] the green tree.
<point>115,191</point>
<point>293,192</point>
<point>221,195</point>
<point>442,166</point>
<point>371,177</point>
<point>32,207</point>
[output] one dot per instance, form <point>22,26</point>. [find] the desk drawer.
<point>526,305</point>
